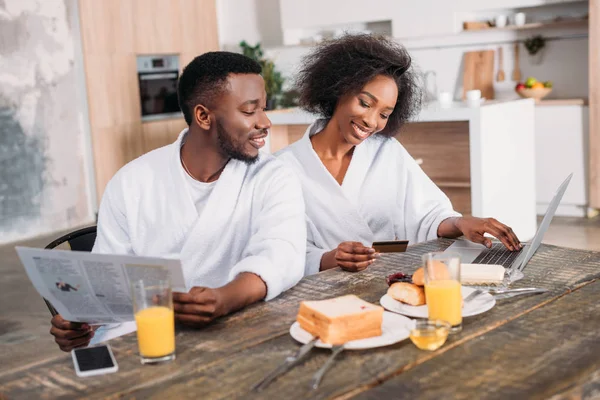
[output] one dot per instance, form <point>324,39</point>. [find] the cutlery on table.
<point>516,292</point>
<point>508,292</point>
<point>318,376</point>
<point>473,295</point>
<point>288,363</point>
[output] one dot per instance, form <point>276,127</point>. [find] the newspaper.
<point>94,288</point>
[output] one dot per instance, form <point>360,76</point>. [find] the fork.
<point>318,376</point>
<point>508,292</point>
<point>288,363</point>
<point>473,295</point>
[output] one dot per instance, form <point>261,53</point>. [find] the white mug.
<point>501,21</point>
<point>445,99</point>
<point>474,98</point>
<point>520,19</point>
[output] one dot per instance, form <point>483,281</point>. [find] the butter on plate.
<point>480,274</point>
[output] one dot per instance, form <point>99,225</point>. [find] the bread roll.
<point>407,293</point>
<point>418,277</point>
<point>440,271</point>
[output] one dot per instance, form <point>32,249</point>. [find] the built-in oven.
<point>157,78</point>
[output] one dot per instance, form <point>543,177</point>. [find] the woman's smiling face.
<point>363,114</point>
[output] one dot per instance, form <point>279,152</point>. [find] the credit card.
<point>391,246</point>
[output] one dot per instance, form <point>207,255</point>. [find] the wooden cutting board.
<point>479,73</point>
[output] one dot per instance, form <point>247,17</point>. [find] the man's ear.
<point>203,117</point>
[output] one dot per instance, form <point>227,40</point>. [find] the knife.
<point>286,365</point>
<point>316,380</point>
<point>509,293</point>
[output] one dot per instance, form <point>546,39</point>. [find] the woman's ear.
<point>202,116</point>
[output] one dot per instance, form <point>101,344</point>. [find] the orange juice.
<point>444,301</point>
<point>156,331</point>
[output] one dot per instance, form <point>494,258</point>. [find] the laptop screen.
<point>539,235</point>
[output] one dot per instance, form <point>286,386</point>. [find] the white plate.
<point>482,303</point>
<point>395,329</point>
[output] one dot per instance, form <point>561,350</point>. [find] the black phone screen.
<point>93,358</point>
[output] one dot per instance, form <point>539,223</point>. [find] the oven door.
<point>158,94</point>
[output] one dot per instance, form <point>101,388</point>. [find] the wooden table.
<point>535,346</point>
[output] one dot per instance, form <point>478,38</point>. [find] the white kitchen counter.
<point>562,147</point>
<point>502,156</point>
<point>458,111</point>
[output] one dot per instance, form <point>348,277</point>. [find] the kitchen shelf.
<point>565,23</point>
<point>453,184</point>
<point>563,102</point>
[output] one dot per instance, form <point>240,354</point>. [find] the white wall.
<point>249,20</point>
<point>44,184</point>
<point>565,62</point>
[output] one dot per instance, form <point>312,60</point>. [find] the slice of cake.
<point>341,319</point>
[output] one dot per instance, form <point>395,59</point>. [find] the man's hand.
<point>70,335</point>
<point>475,228</point>
<point>202,305</point>
<point>349,256</point>
<point>199,307</point>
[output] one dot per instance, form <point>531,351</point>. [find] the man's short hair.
<point>205,78</point>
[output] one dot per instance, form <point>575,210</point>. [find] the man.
<point>235,218</point>
<point>65,287</point>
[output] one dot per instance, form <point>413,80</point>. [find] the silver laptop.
<point>513,260</point>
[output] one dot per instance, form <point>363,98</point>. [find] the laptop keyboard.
<point>498,254</point>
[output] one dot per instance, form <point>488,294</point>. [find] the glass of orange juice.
<point>155,320</point>
<point>443,289</point>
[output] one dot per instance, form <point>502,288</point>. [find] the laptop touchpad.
<point>468,251</point>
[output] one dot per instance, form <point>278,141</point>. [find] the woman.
<point>360,185</point>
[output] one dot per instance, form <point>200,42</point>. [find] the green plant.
<point>534,44</point>
<point>289,98</point>
<point>273,79</point>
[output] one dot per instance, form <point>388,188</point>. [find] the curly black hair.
<point>341,66</point>
<point>205,78</point>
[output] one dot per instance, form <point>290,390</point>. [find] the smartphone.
<point>391,246</point>
<point>95,360</point>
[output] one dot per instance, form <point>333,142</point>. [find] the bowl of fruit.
<point>533,89</point>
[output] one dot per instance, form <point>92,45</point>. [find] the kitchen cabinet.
<point>473,5</point>
<point>561,148</point>
<point>113,33</point>
<point>424,18</point>
<point>443,151</point>
<point>308,14</point>
<point>161,133</point>
<point>419,19</point>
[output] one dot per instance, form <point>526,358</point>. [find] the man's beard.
<point>231,148</point>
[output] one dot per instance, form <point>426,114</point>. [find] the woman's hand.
<point>474,229</point>
<point>349,256</point>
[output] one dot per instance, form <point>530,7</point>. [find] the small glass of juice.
<point>429,334</point>
<point>443,289</point>
<point>155,320</point>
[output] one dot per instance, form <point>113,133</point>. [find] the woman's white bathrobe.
<point>253,220</point>
<point>385,195</point>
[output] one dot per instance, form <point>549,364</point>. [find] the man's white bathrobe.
<point>385,195</point>
<point>253,220</point>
